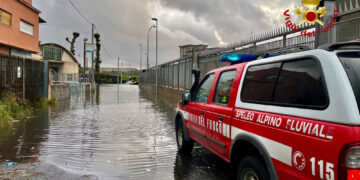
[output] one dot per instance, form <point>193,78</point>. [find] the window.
<point>26,27</point>
<point>293,83</point>
<point>300,83</point>
<point>351,63</point>
<point>224,86</point>
<point>202,93</point>
<point>259,82</point>
<point>52,53</point>
<point>5,17</point>
<point>69,77</point>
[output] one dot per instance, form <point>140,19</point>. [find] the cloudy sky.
<point>123,24</point>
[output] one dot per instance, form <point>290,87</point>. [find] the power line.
<point>87,20</point>
<point>106,52</point>
<point>81,14</point>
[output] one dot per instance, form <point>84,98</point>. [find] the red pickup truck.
<point>293,116</point>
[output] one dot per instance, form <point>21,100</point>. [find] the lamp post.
<point>147,47</point>
<point>140,56</point>
<point>156,68</point>
<point>85,39</point>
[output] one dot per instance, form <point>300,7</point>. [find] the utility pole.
<point>118,70</point>
<point>140,56</point>
<point>121,73</point>
<point>156,68</point>
<point>92,54</point>
<point>147,47</point>
<point>85,39</point>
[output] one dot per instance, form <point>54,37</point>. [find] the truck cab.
<point>293,116</point>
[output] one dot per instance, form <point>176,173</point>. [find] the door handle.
<point>220,118</point>
<point>202,113</point>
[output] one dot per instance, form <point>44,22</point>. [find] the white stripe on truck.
<point>276,150</point>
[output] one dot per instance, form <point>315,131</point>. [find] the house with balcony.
<point>19,28</point>
<point>61,61</point>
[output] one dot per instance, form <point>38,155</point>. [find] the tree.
<point>72,42</point>
<point>97,58</point>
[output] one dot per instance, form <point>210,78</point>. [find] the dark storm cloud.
<point>123,24</point>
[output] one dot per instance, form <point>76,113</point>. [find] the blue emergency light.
<point>235,58</point>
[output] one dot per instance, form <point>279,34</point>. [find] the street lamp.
<point>85,39</point>
<point>156,69</point>
<point>147,47</point>
<point>140,56</point>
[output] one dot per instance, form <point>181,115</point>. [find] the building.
<point>59,58</point>
<point>19,28</point>
<point>187,50</point>
<point>115,70</point>
<point>347,25</point>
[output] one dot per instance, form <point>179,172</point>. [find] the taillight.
<point>352,159</point>
<point>350,162</point>
<point>353,174</point>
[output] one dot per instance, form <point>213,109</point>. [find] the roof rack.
<point>284,50</point>
<point>335,46</point>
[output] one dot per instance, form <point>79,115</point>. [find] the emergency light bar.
<point>236,58</point>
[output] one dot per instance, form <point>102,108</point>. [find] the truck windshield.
<point>351,63</point>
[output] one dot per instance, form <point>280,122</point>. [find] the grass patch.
<point>44,102</point>
<point>12,108</point>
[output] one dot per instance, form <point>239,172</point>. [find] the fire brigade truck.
<point>292,116</point>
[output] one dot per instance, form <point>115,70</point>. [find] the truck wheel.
<point>184,146</point>
<point>251,168</point>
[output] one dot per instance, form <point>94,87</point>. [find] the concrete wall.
<point>69,66</point>
<point>60,91</point>
<point>171,95</point>
<point>11,35</point>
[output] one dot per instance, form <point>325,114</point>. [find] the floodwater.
<point>118,132</point>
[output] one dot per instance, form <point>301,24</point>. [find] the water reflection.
<point>118,132</point>
<point>21,140</point>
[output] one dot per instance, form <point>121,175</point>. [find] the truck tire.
<point>251,168</point>
<point>184,146</point>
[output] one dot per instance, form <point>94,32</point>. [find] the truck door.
<point>219,114</point>
<point>197,108</point>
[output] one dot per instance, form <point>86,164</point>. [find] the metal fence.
<point>177,73</point>
<point>25,77</point>
<point>348,30</point>
<point>66,78</point>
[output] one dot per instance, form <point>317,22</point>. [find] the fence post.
<point>185,74</point>
<point>284,41</point>
<point>178,81</point>
<point>46,79</point>
<point>5,70</point>
<point>23,78</point>
<point>173,78</point>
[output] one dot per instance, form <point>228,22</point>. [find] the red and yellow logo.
<point>310,15</point>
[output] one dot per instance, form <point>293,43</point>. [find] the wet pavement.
<point>115,133</point>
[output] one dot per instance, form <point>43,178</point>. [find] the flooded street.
<point>114,133</point>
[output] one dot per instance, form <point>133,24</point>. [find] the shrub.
<point>12,107</point>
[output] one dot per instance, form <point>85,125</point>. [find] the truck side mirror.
<point>196,74</point>
<point>186,97</point>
